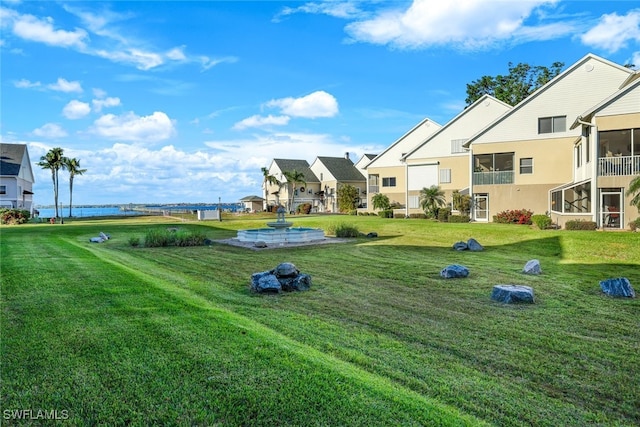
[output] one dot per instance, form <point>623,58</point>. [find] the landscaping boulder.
<point>96,240</point>
<point>512,294</point>
<point>265,282</point>
<point>104,236</point>
<point>460,246</point>
<point>454,271</point>
<point>286,269</point>
<point>619,287</point>
<point>532,267</point>
<point>474,246</point>
<point>285,277</point>
<point>372,234</point>
<point>260,244</point>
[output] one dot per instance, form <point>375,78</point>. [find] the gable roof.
<point>341,168</point>
<point>454,120</point>
<point>299,165</point>
<point>542,90</point>
<point>630,84</point>
<point>252,199</point>
<point>11,156</point>
<point>401,139</point>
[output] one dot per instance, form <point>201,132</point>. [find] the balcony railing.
<point>489,178</point>
<point>619,166</point>
<point>374,188</point>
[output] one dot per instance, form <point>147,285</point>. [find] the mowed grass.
<point>118,335</point>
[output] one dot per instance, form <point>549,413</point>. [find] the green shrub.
<point>541,221</point>
<point>580,224</point>
<point>399,215</point>
<point>516,216</point>
<point>343,230</point>
<point>189,238</point>
<point>304,208</point>
<point>418,215</point>
<point>388,213</point>
<point>353,212</point>
<point>459,218</point>
<point>635,224</point>
<point>14,216</point>
<point>443,214</point>
<point>134,241</point>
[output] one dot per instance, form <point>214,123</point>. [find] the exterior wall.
<point>395,194</point>
<point>585,84</point>
<point>622,121</point>
<point>552,167</point>
<point>392,155</point>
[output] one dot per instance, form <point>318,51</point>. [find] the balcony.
<point>374,189</point>
<point>490,178</point>
<point>619,166</point>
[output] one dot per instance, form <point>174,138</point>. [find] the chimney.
<point>346,155</point>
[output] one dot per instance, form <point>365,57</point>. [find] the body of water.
<point>83,212</point>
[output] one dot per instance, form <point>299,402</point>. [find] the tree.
<point>73,167</point>
<point>634,190</point>
<point>268,179</point>
<point>294,178</point>
<point>522,80</point>
<point>431,199</point>
<point>53,161</point>
<point>380,201</point>
<point>461,203</point>
<point>347,198</point>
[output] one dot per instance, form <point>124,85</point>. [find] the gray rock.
<point>301,282</point>
<point>104,236</point>
<point>260,244</point>
<point>265,282</point>
<point>372,234</point>
<point>286,269</point>
<point>512,294</point>
<point>454,271</point>
<point>532,267</point>
<point>618,287</point>
<point>474,245</point>
<point>460,246</point>
<point>96,240</point>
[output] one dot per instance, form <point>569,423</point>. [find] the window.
<point>389,182</point>
<point>445,176</point>
<point>414,202</point>
<point>526,165</point>
<point>574,199</point>
<point>3,189</point>
<point>552,124</point>
<point>456,146</point>
<point>578,150</point>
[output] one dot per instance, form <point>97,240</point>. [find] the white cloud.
<point>345,10</point>
<point>76,109</point>
<point>316,104</point>
<point>613,32</point>
<point>465,24</point>
<point>50,131</point>
<point>99,104</point>
<point>260,121</point>
<point>141,59</point>
<point>63,85</point>
<point>130,127</point>
<point>176,54</point>
<point>24,84</point>
<point>42,30</point>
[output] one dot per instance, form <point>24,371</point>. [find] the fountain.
<point>281,231</point>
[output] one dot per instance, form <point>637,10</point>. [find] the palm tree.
<point>268,179</point>
<point>294,178</point>
<point>53,161</point>
<point>73,167</point>
<point>380,201</point>
<point>634,189</point>
<point>431,199</point>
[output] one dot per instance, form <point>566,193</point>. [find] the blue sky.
<point>167,101</point>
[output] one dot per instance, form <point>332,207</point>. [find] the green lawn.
<point>116,335</point>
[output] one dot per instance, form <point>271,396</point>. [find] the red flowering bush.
<point>516,216</point>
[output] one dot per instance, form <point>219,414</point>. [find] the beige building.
<point>333,172</point>
<point>386,173</point>
<point>606,159</point>
<point>303,193</point>
<point>529,151</point>
<point>441,159</point>
<point>16,177</point>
